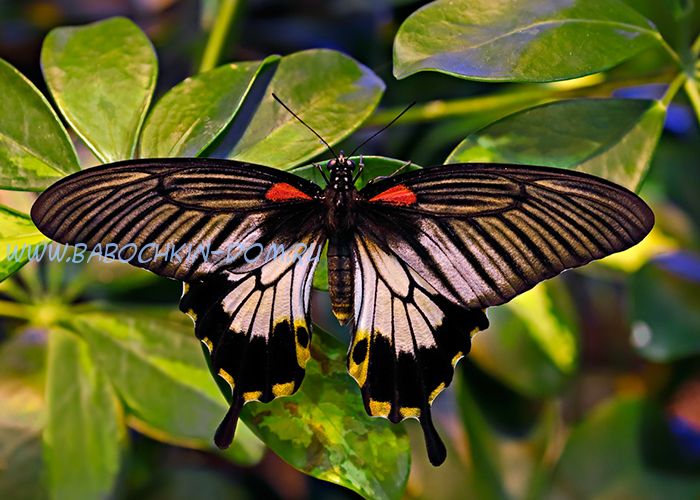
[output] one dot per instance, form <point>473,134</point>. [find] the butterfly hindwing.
<point>407,338</point>
<point>257,327</point>
<point>483,233</point>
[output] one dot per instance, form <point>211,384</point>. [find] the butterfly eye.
<point>351,164</point>
<point>331,163</point>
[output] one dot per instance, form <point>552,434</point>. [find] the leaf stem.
<point>693,93</point>
<point>14,310</point>
<point>695,48</point>
<point>674,55</point>
<point>673,88</point>
<point>217,37</point>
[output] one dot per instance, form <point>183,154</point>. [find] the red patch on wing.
<point>285,192</point>
<point>399,195</point>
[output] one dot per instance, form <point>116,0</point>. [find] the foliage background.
<point>585,387</point>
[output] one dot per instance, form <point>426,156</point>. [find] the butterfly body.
<point>413,260</point>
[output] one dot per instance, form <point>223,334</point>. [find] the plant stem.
<point>224,19</point>
<point>530,95</point>
<point>13,310</point>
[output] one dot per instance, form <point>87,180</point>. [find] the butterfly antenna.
<point>383,128</point>
<point>305,124</point>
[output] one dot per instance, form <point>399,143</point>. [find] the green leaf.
<point>330,91</point>
<point>375,166</point>
<point>22,415</point>
<point>84,427</point>
<point>611,138</point>
<point>665,309</point>
<point>486,472</point>
<point>193,113</point>
<point>520,40</point>
<point>35,150</point>
<point>323,429</point>
<point>102,77</point>
<point>603,458</point>
<point>156,365</point>
<point>532,343</point>
<point>18,238</point>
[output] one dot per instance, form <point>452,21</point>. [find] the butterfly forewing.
<point>168,215</point>
<point>482,234</point>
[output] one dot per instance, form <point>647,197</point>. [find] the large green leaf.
<point>323,430</point>
<point>84,427</point>
<point>532,343</point>
<point>604,458</point>
<point>520,40</point>
<point>18,239</point>
<point>330,91</point>
<point>666,308</point>
<point>193,113</point>
<point>611,138</point>
<point>157,368</point>
<point>102,77</point>
<point>35,150</point>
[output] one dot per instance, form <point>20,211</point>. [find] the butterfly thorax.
<point>339,197</point>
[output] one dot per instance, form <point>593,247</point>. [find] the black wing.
<point>434,247</point>
<point>252,315</point>
<point>482,234</point>
<point>162,205</point>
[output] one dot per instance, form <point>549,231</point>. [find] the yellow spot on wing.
<point>303,353</point>
<point>283,389</point>
<point>457,357</point>
<point>379,408</point>
<point>252,396</point>
<point>192,314</point>
<point>228,378</point>
<point>408,412</point>
<point>437,391</point>
<point>208,343</point>
<point>359,372</point>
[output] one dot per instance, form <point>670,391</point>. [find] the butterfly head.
<point>341,166</point>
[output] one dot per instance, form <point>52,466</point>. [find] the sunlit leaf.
<point>611,138</point>
<point>666,307</point>
<point>84,425</point>
<point>532,343</point>
<point>193,113</point>
<point>156,365</point>
<point>520,40</point>
<point>324,431</point>
<point>102,77</point>
<point>334,98</point>
<point>18,239</point>
<point>35,150</point>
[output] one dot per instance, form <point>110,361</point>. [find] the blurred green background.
<point>586,387</point>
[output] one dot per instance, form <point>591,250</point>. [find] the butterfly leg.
<point>395,172</point>
<point>360,168</point>
<point>320,169</point>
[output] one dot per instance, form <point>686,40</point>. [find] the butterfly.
<point>413,260</point>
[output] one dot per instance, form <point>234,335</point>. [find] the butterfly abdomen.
<point>340,278</point>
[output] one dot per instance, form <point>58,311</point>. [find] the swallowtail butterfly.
<point>413,260</point>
